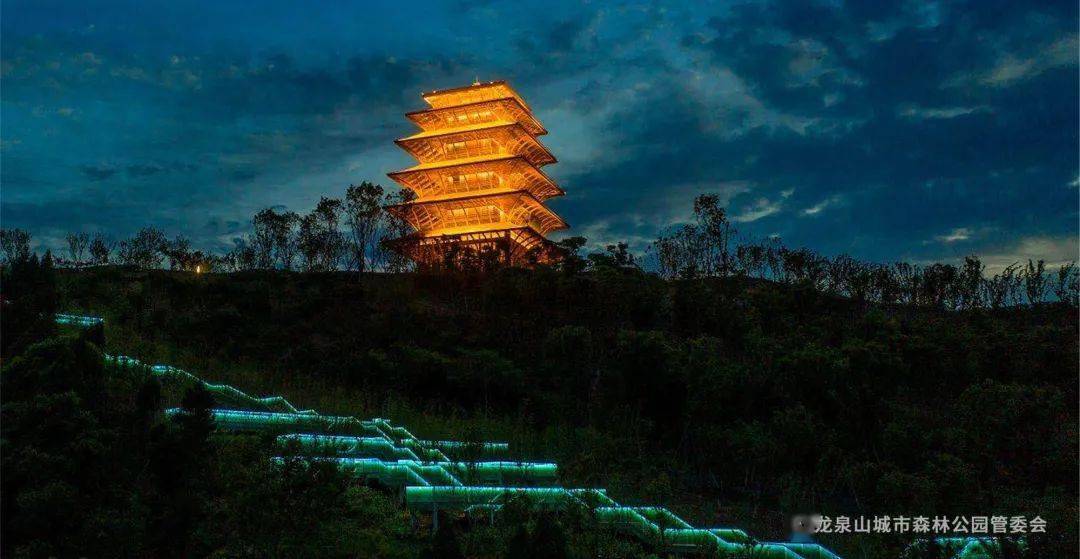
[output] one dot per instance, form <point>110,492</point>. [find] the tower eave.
<point>426,179</point>
<point>424,148</point>
<point>432,215</point>
<point>495,84</point>
<point>521,246</point>
<point>529,120</point>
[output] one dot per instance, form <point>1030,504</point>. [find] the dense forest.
<point>736,382</point>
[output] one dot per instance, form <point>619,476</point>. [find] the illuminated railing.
<point>77,320</point>
<point>463,445</point>
<point>351,450</point>
<point>377,449</point>
<point>965,547</point>
<point>650,524</point>
<point>662,516</point>
<point>473,473</point>
<point>733,535</point>
<point>454,497</point>
<point>225,391</point>
<point>244,420</point>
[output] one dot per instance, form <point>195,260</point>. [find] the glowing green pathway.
<point>377,450</point>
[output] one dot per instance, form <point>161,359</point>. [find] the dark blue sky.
<point>915,130</point>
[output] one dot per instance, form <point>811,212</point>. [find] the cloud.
<point>925,113</point>
<point>605,232</point>
<point>821,206</point>
<point>760,208</point>
<point>1011,69</point>
<point>956,235</point>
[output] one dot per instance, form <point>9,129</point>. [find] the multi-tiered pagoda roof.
<point>478,182</point>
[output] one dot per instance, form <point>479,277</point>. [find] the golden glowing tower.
<point>478,183</point>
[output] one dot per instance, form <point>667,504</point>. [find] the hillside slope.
<point>749,401</point>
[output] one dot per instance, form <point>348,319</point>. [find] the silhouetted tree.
<point>1035,281</point>
<point>938,281</point>
<point>178,253</point>
<point>614,256</point>
<point>395,228</point>
<point>76,245</point>
<point>364,216</point>
<point>572,261</point>
<point>969,283</point>
<point>717,232</point>
<point>1013,278</point>
<point>144,250</point>
<point>681,253</point>
<point>996,288</point>
<point>752,259</point>
<point>101,248</point>
<point>262,237</point>
<point>804,266</point>
<point>241,257</point>
<point>15,243</point>
<point>283,235</point>
<point>1067,283</point>
<point>320,240</point>
<point>273,238</point>
<point>909,281</point>
<point>885,287</point>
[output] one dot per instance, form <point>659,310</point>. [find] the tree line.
<point>355,232</point>
<point>708,248</point>
<point>352,233</point>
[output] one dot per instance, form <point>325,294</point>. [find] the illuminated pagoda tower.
<point>478,183</point>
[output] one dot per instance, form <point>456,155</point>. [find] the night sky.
<point>919,131</point>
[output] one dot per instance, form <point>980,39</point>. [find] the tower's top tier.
<point>481,113</point>
<point>474,93</point>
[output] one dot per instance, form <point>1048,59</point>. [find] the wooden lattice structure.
<point>478,184</point>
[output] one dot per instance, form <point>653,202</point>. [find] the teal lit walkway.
<point>474,478</point>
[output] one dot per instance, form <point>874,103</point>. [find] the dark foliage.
<point>27,302</point>
<point>92,470</point>
<point>769,398</point>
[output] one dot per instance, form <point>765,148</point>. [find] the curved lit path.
<point>433,475</point>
